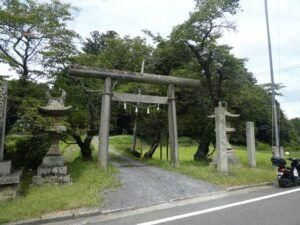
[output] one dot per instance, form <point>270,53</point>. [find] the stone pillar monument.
<point>3,101</point>
<point>251,144</point>
<point>9,180</point>
<point>221,140</point>
<point>53,169</point>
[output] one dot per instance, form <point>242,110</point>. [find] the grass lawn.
<point>239,175</point>
<point>85,190</point>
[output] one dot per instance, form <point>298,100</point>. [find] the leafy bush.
<point>186,141</point>
<point>260,146</point>
<point>27,152</point>
<point>292,149</point>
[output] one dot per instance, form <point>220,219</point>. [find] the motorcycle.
<point>287,176</point>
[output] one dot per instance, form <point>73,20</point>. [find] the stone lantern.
<point>231,157</point>
<point>225,153</point>
<point>53,169</point>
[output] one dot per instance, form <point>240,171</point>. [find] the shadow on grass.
<point>26,180</point>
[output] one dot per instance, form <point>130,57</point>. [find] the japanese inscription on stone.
<point>3,93</point>
<point>3,97</point>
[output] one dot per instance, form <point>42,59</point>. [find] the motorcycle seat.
<point>294,159</point>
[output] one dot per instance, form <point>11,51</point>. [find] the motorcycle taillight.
<point>281,169</point>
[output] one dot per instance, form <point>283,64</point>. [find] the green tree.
<point>83,119</point>
<point>167,58</point>
<point>97,42</point>
<point>34,41</point>
<point>34,34</point>
<point>22,112</point>
<point>199,33</point>
<point>105,50</point>
<point>296,124</point>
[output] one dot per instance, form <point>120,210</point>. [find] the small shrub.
<point>28,152</point>
<point>186,141</point>
<point>260,146</point>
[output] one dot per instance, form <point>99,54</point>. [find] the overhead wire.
<point>287,68</point>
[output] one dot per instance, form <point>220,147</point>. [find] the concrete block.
<point>52,171</point>
<point>5,167</point>
<point>13,178</point>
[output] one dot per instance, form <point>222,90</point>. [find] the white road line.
<point>168,219</point>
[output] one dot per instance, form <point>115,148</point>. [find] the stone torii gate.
<point>107,96</point>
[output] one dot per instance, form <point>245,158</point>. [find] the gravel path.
<point>143,185</point>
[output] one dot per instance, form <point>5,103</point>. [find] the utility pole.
<point>274,110</point>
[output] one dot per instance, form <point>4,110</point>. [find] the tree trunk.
<point>153,147</point>
<point>24,86</point>
<point>202,151</point>
<point>85,146</point>
<point>134,135</point>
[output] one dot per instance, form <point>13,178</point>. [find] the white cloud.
<point>131,16</point>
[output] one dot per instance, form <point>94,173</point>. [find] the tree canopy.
<point>34,36</point>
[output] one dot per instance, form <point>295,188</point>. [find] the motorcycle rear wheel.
<point>285,182</point>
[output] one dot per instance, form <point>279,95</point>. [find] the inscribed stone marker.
<point>3,101</point>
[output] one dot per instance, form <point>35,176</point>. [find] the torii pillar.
<point>173,136</point>
<point>104,125</point>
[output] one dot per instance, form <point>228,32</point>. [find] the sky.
<point>249,41</point>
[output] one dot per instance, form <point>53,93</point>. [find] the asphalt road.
<point>273,206</point>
